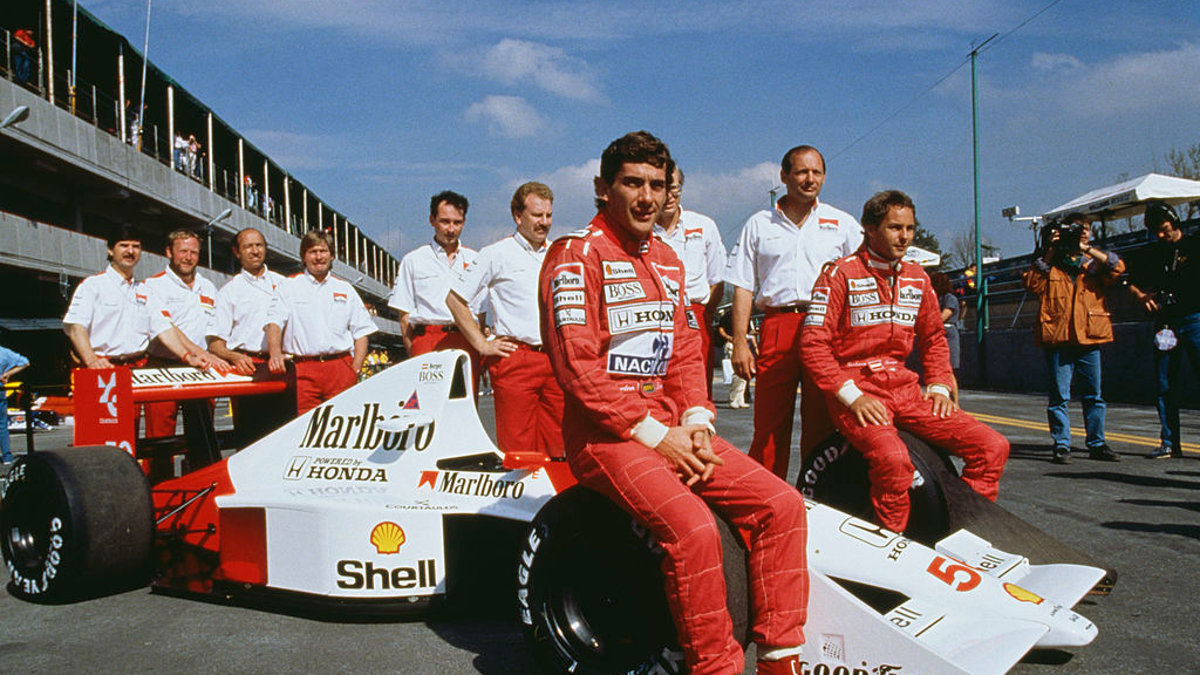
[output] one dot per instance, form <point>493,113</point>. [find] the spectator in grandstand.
<point>193,156</point>
<point>1164,277</point>
<point>319,320</point>
<point>1069,278</point>
<point>11,363</point>
<point>180,155</point>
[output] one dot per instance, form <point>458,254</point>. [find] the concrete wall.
<point>1014,363</point>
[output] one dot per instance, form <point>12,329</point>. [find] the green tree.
<point>1185,164</point>
<point>927,240</point>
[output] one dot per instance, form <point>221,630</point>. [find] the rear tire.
<point>835,474</point>
<point>590,590</point>
<point>75,523</point>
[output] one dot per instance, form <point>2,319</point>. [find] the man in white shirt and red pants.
<point>189,301</point>
<point>529,401</point>
<point>780,252</point>
<point>424,278</point>
<point>697,241</point>
<point>321,322</point>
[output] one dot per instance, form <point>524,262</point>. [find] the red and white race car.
<point>360,505</point>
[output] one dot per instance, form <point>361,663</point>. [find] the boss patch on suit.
<point>861,299</point>
<point>625,290</point>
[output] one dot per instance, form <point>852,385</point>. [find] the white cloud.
<point>294,151</point>
<point>1052,62</point>
<point>508,116</point>
<point>549,68</point>
<point>730,197</point>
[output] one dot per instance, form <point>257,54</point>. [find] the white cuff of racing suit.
<point>938,389</point>
<point>699,415</point>
<point>649,432</point>
<point>849,393</point>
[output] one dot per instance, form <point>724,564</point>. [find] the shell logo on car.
<point>387,537</point>
<point>1022,594</point>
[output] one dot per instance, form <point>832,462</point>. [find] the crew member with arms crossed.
<point>697,241</point>
<point>780,252</point>
<point>638,426</point>
<point>529,402</point>
<point>867,310</point>
<point>238,331</point>
<point>423,280</point>
<point>189,301</point>
<point>321,322</point>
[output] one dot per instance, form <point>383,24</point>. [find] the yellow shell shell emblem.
<point>387,537</point>
<point>1022,594</point>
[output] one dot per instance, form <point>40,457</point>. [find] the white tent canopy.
<point>1128,199</point>
<point>922,257</point>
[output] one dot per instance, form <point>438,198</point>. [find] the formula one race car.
<point>354,507</point>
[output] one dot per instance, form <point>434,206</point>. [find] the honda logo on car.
<point>359,432</point>
<point>360,575</point>
<point>333,468</point>
<point>479,485</point>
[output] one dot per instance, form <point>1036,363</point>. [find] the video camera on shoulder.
<point>1070,233</point>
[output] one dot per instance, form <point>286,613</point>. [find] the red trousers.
<point>701,314</point>
<point>778,374</point>
<point>161,416</point>
<point>529,403</point>
<point>318,380</point>
<point>890,470</point>
<point>432,338</point>
<point>767,510</point>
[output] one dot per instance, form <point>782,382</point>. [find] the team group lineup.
<point>598,350</point>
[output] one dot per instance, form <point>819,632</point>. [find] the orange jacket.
<point>1073,310</point>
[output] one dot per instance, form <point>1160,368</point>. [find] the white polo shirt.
<point>318,317</point>
<point>115,312</point>
<point>504,280</point>
<point>697,242</point>
<point>242,306</point>
<point>190,308</point>
<point>424,280</point>
<point>781,260</point>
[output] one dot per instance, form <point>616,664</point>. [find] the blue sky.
<point>377,104</point>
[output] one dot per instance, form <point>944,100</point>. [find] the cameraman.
<point>1073,321</point>
<point>1163,279</point>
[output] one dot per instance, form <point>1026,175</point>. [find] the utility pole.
<point>980,285</point>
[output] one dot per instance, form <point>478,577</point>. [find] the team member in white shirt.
<point>529,402</point>
<point>180,295</point>
<point>780,253</point>
<point>697,241</point>
<point>321,322</point>
<point>237,332</point>
<point>109,323</point>
<point>424,279</point>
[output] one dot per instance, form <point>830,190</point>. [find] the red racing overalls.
<point>627,355</point>
<point>864,317</point>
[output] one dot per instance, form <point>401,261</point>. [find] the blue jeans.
<point>1083,364</point>
<point>1187,330</point>
<point>5,447</point>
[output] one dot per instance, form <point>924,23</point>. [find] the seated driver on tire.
<point>867,310</point>
<point>638,423</point>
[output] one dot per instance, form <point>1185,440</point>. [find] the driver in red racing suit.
<point>638,422</point>
<point>866,310</point>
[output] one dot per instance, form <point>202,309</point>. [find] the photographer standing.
<point>1073,321</point>
<point>1164,281</point>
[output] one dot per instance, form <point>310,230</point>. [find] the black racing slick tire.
<point>590,590</point>
<point>834,474</point>
<point>75,523</point>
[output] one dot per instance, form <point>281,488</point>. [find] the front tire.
<point>75,523</point>
<point>590,590</point>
